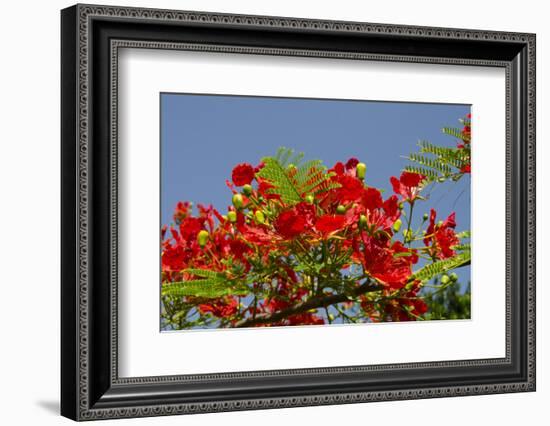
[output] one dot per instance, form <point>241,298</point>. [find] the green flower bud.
<point>360,170</point>
<point>224,217</point>
<point>247,189</point>
<point>202,237</point>
<point>259,216</point>
<point>397,225</point>
<point>440,223</point>
<point>238,201</point>
<point>291,168</point>
<point>407,234</point>
<point>445,279</point>
<point>340,209</point>
<point>310,199</point>
<point>454,277</point>
<point>400,205</point>
<point>425,217</point>
<point>232,216</point>
<point>331,317</point>
<point>363,221</point>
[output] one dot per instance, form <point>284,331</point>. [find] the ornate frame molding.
<point>79,20</point>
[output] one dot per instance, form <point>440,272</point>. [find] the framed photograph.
<point>263,212</point>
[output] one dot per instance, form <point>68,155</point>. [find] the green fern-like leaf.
<point>453,131</point>
<point>429,271</point>
<point>293,183</point>
<point>440,151</point>
<point>432,163</point>
<point>204,273</point>
<point>430,174</point>
<point>208,288</point>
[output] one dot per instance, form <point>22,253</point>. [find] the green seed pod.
<point>360,170</point>
<point>259,216</point>
<point>397,225</point>
<point>238,201</point>
<point>425,217</point>
<point>310,199</point>
<point>454,277</point>
<point>363,221</point>
<point>340,209</point>
<point>202,237</point>
<point>247,189</point>
<point>445,279</point>
<point>232,216</point>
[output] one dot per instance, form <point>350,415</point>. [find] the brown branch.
<point>306,305</point>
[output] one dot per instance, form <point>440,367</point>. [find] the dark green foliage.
<point>448,302</point>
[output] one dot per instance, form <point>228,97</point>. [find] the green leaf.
<point>208,288</point>
<point>429,271</point>
<point>292,185</point>
<point>463,234</point>
<point>453,131</point>
<point>204,273</point>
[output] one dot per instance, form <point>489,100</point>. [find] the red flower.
<point>466,168</point>
<point>190,227</point>
<point>352,163</point>
<point>182,210</point>
<point>372,199</point>
<point>327,224</point>
<point>242,174</point>
<point>173,259</point>
<point>408,185</point>
<point>264,188</point>
<point>220,308</point>
<point>389,265</point>
<point>441,237</point>
<point>351,189</point>
<point>290,224</point>
<point>338,168</point>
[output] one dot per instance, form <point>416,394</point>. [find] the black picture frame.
<point>90,386</point>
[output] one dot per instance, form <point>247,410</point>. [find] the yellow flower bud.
<point>232,216</point>
<point>259,216</point>
<point>360,170</point>
<point>238,201</point>
<point>397,225</point>
<point>202,237</point>
<point>247,189</point>
<point>363,222</point>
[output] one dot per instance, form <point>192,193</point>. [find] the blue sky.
<point>204,136</point>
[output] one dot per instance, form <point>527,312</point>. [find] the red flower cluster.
<point>339,237</point>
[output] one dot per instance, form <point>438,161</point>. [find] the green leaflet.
<point>464,234</point>
<point>430,174</point>
<point>439,164</point>
<point>293,184</point>
<point>453,131</point>
<point>208,288</point>
<point>204,273</point>
<point>429,271</point>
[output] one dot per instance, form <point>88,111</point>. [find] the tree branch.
<point>306,305</point>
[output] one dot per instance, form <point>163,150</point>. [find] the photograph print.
<point>297,212</point>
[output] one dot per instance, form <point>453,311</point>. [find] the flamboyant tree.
<point>303,244</point>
